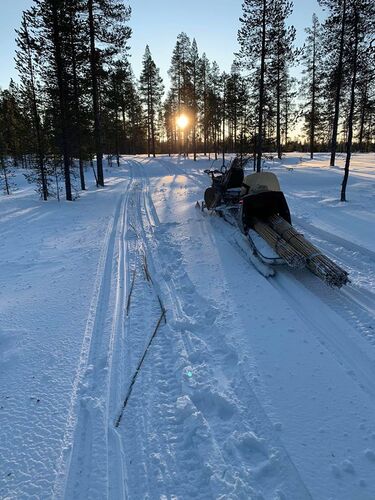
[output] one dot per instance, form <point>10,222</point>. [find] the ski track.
<point>85,478</point>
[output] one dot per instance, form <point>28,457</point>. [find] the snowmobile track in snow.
<point>185,335</point>
<point>332,326</point>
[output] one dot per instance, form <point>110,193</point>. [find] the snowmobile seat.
<point>260,182</point>
<point>233,178</point>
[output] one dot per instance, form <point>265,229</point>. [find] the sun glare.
<point>182,121</point>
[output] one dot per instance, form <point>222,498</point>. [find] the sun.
<point>182,121</point>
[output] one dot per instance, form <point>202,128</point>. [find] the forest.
<point>78,102</point>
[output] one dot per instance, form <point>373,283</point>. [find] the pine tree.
<point>214,106</point>
<point>236,101</point>
<point>360,32</point>
<point>78,42</point>
<point>203,92</point>
<point>312,59</point>
<point>151,88</point>
<point>7,142</point>
<point>335,29</point>
<point>181,90</point>
<point>108,35</point>
<point>256,46</point>
<point>282,55</point>
<point>26,61</point>
<point>194,63</point>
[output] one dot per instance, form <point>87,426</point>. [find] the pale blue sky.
<point>214,24</point>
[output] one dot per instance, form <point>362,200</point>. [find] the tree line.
<point>78,97</point>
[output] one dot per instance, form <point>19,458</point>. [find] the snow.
<point>252,388</point>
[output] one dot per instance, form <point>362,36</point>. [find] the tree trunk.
<point>61,83</point>
<point>95,97</point>
<point>4,168</point>
<point>224,97</point>
<point>312,118</point>
<point>278,118</point>
<point>351,112</point>
<point>77,109</point>
<point>338,88</point>
<point>148,121</point>
<point>261,90</point>
<point>362,120</point>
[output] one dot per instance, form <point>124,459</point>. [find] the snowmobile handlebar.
<point>212,172</point>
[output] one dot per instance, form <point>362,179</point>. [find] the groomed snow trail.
<point>233,400</point>
<point>250,389</point>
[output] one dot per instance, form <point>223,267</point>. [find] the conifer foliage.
<point>152,89</point>
<point>78,98</point>
<point>67,53</point>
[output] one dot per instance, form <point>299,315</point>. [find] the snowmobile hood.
<point>260,182</point>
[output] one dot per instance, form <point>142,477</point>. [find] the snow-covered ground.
<point>250,389</point>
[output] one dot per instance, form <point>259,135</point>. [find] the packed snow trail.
<point>251,388</point>
<point>184,339</point>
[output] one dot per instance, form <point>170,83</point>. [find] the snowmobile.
<point>257,206</point>
<point>226,187</point>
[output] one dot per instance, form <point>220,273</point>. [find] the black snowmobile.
<point>257,206</point>
<point>226,186</point>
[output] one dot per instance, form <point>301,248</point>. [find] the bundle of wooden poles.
<point>299,252</point>
<point>287,252</point>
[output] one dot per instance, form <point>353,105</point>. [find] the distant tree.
<point>152,89</point>
<point>181,90</point>
<point>335,28</point>
<point>214,106</point>
<point>78,41</point>
<point>256,45</point>
<point>203,82</point>
<point>194,62</point>
<point>312,59</point>
<point>236,101</point>
<point>282,56</point>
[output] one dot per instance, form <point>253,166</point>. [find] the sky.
<point>214,24</point>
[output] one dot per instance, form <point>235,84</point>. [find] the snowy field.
<point>251,388</point>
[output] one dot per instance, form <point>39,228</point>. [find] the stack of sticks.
<point>319,264</point>
<point>291,256</point>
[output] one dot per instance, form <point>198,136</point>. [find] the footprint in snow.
<point>212,404</point>
<point>250,447</point>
